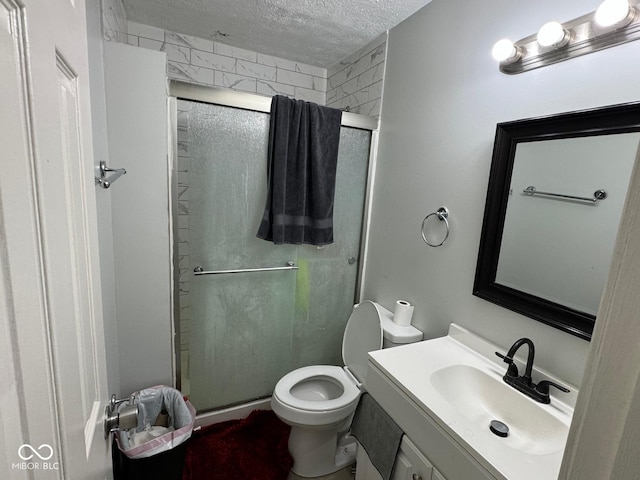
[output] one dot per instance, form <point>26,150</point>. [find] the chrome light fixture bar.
<point>613,23</point>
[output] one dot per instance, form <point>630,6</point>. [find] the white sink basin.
<point>481,398</point>
<point>457,382</point>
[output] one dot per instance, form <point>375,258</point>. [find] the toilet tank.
<point>396,335</point>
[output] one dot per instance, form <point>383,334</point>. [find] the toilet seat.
<point>349,394</point>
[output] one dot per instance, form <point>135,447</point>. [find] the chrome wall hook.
<point>103,180</point>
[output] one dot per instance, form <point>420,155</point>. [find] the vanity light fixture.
<point>613,23</point>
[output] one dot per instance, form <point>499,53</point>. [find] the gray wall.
<point>137,130</point>
<point>443,96</point>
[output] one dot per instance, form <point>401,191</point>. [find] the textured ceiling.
<point>317,32</point>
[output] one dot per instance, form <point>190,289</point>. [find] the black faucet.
<point>524,383</point>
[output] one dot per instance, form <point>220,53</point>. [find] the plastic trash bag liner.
<point>146,439</point>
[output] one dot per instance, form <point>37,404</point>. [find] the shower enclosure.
<point>244,320</point>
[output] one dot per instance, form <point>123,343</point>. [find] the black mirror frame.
<point>609,120</point>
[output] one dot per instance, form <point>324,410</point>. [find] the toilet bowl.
<point>319,401</point>
<point>320,396</point>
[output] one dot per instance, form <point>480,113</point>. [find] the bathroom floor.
<point>344,474</point>
<point>253,448</point>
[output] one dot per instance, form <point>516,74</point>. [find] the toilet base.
<point>320,452</point>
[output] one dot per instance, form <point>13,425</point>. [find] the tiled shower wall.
<point>185,268</point>
<point>355,83</point>
<point>207,62</point>
<point>114,20</point>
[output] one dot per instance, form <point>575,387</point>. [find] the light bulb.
<point>505,51</point>
<point>613,12</point>
<point>552,34</point>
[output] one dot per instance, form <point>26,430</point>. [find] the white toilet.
<point>319,401</point>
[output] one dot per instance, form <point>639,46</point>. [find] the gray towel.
<point>378,434</point>
<point>303,155</point>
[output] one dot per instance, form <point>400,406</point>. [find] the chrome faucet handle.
<point>512,369</point>
<point>543,387</point>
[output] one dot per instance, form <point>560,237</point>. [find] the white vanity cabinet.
<point>444,393</point>
<point>447,460</point>
<point>411,464</point>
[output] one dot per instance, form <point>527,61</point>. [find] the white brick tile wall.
<point>188,41</point>
<point>276,62</point>
<point>274,88</point>
<point>372,108</point>
<point>207,62</point>
<point>114,21</point>
<point>294,78</point>
<point>177,53</point>
<point>320,84</point>
<point>235,82</point>
<point>309,95</point>
<point>255,70</point>
<point>146,31</point>
<point>355,83</point>
<point>189,73</point>
<point>150,43</point>
<point>213,61</point>
<point>236,52</point>
<point>337,78</point>
<point>310,70</point>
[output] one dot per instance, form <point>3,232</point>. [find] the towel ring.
<point>442,213</point>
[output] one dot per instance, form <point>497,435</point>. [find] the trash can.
<point>156,448</point>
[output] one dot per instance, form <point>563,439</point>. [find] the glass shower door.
<point>241,332</point>
<point>327,279</point>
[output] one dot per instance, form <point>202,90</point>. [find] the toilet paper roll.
<point>403,313</point>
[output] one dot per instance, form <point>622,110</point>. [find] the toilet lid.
<point>363,334</point>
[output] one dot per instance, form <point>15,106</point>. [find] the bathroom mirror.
<point>556,191</point>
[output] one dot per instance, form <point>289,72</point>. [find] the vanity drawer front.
<point>411,464</point>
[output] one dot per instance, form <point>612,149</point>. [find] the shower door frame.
<point>247,101</point>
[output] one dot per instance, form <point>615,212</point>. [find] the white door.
<point>52,359</point>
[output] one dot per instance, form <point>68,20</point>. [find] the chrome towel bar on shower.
<point>597,195</point>
<point>201,271</point>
